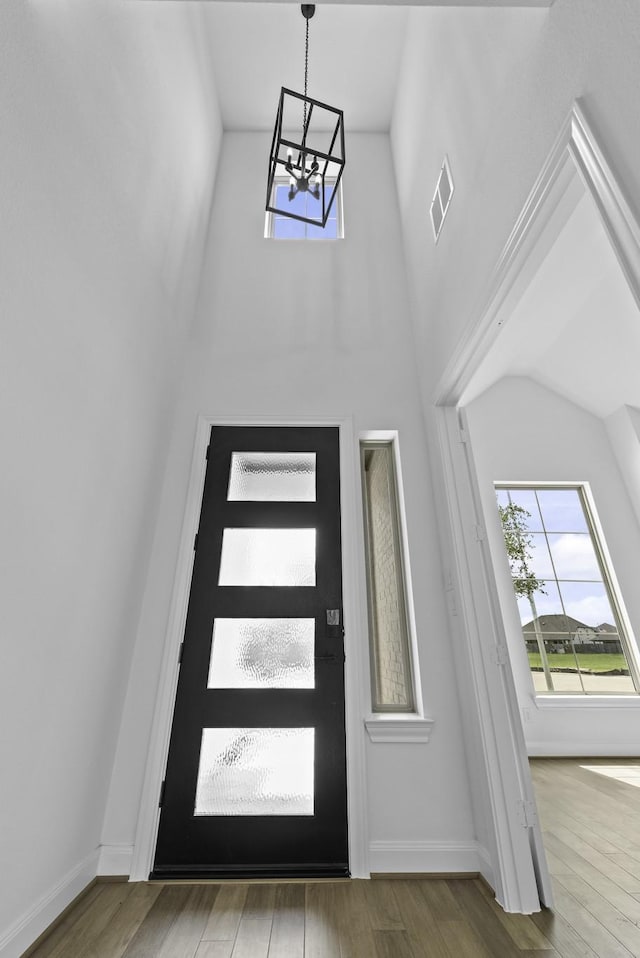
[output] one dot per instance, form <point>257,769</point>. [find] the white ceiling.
<point>354,58</point>
<point>355,52</point>
<point>576,329</point>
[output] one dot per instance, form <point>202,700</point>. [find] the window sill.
<point>305,239</point>
<point>587,701</point>
<point>399,728</point>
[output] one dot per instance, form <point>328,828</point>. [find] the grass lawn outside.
<point>596,662</point>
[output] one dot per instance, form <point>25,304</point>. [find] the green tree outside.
<point>518,540</point>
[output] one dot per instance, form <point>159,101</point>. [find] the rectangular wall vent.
<point>441,199</point>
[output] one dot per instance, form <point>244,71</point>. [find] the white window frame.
<point>378,704</point>
<point>612,587</point>
<point>270,216</point>
<point>396,727</point>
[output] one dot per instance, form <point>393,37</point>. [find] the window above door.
<point>303,204</point>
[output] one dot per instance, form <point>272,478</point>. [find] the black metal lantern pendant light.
<point>307,151</point>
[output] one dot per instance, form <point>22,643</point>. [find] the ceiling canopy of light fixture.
<point>307,151</point>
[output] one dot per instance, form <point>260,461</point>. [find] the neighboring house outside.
<point>563,631</point>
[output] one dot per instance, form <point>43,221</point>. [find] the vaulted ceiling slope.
<point>575,329</point>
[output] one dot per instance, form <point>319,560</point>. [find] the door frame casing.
<point>576,154</point>
<point>149,813</point>
<point>575,164</point>
<point>494,740</point>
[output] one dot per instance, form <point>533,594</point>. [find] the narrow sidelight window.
<point>392,683</point>
<point>569,613</point>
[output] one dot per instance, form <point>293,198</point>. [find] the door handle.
<point>334,629</point>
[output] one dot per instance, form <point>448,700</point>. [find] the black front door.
<point>255,781</point>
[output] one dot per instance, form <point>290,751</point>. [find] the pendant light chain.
<point>306,75</point>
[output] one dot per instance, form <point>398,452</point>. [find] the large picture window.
<point>569,614</point>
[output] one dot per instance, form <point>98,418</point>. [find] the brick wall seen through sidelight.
<point>385,580</point>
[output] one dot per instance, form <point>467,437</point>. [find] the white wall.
<point>491,88</point>
<point>623,430</point>
<point>291,330</point>
<point>523,432</point>
<point>109,143</point>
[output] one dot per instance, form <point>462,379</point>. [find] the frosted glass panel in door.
<point>255,771</point>
<point>262,653</point>
<point>272,477</point>
<point>268,557</point>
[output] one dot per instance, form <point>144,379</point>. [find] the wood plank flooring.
<point>386,918</point>
<point>591,826</point>
<point>591,829</point>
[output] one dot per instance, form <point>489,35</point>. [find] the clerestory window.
<point>304,204</point>
<point>569,613</point>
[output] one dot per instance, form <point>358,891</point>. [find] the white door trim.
<point>575,163</point>
<point>148,817</point>
<point>493,730</point>
<point>575,160</point>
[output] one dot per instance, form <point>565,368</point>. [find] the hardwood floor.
<point>591,827</point>
<point>592,832</point>
<point>349,919</point>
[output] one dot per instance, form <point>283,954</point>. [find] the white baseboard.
<point>115,859</point>
<point>16,939</point>
<point>424,857</point>
<point>485,866</point>
<point>566,750</point>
